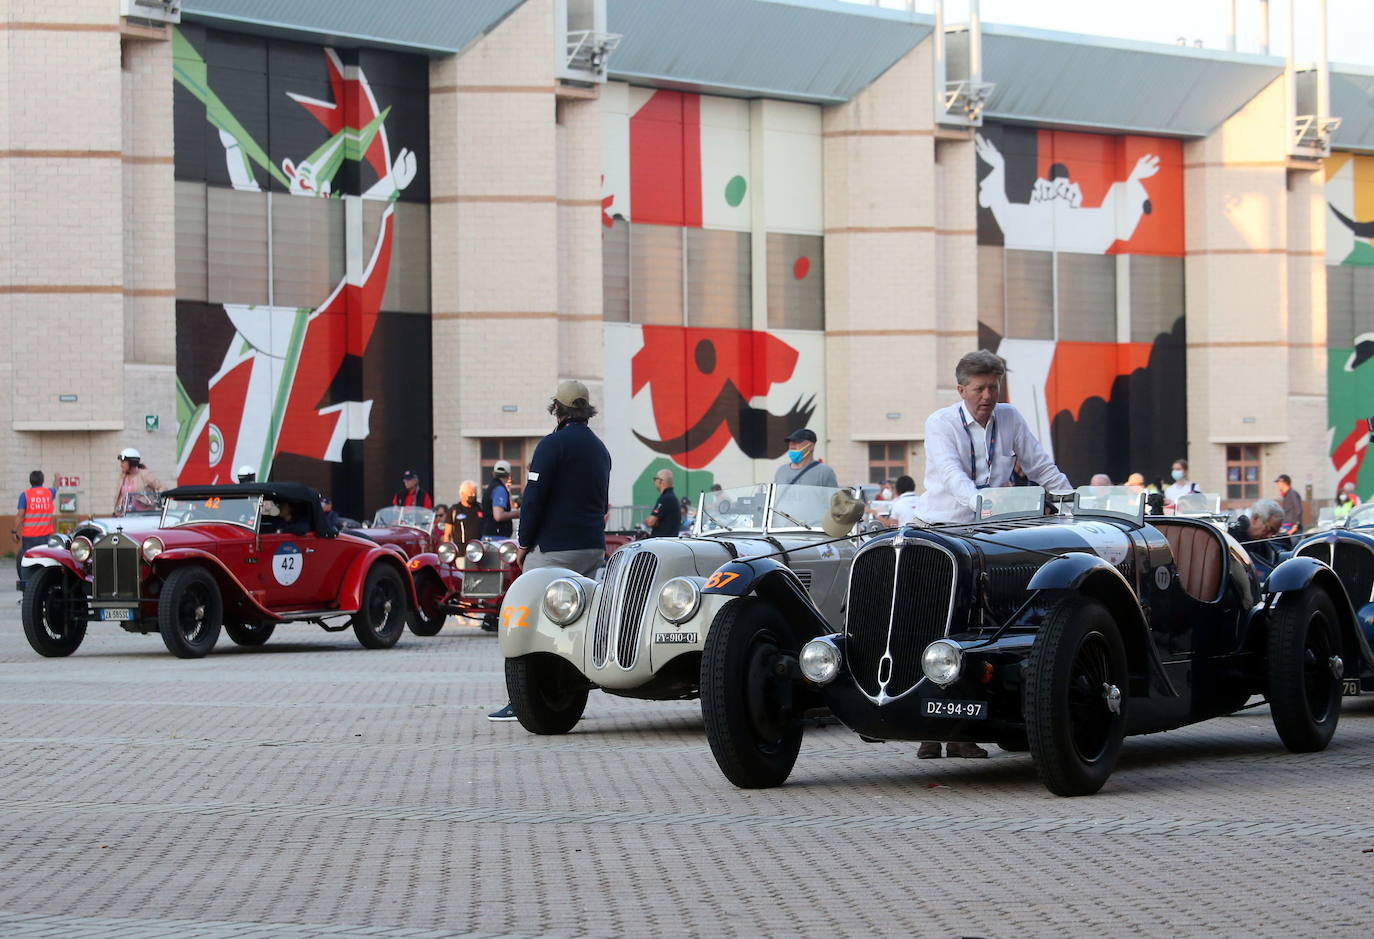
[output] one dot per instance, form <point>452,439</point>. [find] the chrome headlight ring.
<point>564,601</point>
<point>152,546</point>
<point>820,661</point>
<point>678,599</point>
<point>508,551</point>
<point>942,661</point>
<point>81,549</point>
<point>474,551</point>
<point>447,551</point>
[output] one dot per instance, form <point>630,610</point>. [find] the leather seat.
<point>1197,555</point>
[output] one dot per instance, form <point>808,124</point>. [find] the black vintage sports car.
<point>1059,634</point>
<point>1349,550</point>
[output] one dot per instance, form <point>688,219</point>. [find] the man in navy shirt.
<point>563,516</point>
<point>665,520</point>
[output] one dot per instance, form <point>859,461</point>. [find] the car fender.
<point>773,581</point>
<point>229,586</point>
<point>351,593</point>
<point>1299,573</point>
<point>53,557</point>
<point>1091,575</point>
<point>429,563</point>
<point>523,627</point>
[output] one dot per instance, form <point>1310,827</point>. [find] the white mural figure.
<point>1055,218</point>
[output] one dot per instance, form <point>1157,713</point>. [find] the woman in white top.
<point>1182,485</point>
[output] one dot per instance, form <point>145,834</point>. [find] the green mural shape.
<point>1349,400</point>
<point>1361,256</point>
<point>734,190</point>
<point>690,483</point>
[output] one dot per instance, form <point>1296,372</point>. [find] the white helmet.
<point>129,453</point>
<point>246,473</point>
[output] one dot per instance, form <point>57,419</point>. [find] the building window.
<point>512,450</point>
<point>1243,471</point>
<point>886,461</point>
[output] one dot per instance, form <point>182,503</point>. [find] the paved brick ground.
<point>312,787</point>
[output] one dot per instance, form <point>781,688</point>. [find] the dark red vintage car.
<point>438,580</point>
<point>244,558</point>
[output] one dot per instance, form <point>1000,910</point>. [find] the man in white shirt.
<point>903,508</point>
<point>975,444</point>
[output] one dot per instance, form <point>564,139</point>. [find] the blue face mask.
<point>1177,474</point>
<point>795,456</point>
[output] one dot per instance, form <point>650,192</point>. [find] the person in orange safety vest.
<point>34,521</point>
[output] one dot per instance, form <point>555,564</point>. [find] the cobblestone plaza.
<point>310,787</point>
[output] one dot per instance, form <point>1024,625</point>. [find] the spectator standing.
<point>411,493</point>
<point>1181,485</point>
<point>903,510</point>
<point>971,446</point>
<point>465,517</point>
<point>1346,500</point>
<point>802,467</point>
<point>331,517</point>
<point>665,518</point>
<point>1136,482</point>
<point>440,529</point>
<point>134,476</point>
<point>563,522</point>
<point>1292,505</point>
<point>498,515</point>
<point>1100,479</point>
<point>34,521</point>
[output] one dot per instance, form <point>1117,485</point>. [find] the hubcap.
<point>1113,695</point>
<point>1094,701</point>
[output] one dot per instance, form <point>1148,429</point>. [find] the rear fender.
<point>351,593</point>
<point>523,627</point>
<point>1297,574</point>
<point>231,590</point>
<point>1091,575</point>
<point>771,580</point>
<point>428,564</point>
<point>54,557</point>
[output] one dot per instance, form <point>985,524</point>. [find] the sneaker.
<point>507,713</point>
<point>969,751</point>
<point>930,750</point>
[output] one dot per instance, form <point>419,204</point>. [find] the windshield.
<point>1116,501</point>
<point>136,502</point>
<point>738,509</point>
<point>1197,503</point>
<point>404,516</point>
<point>235,510</point>
<point>797,507</point>
<point>1362,516</point>
<point>1010,502</point>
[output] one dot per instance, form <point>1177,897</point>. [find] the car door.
<point>303,572</point>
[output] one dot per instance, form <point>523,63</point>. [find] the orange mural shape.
<point>1083,370</point>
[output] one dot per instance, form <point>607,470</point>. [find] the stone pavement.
<point>312,787</point>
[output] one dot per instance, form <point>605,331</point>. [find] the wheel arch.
<point>351,595</point>
<point>232,593</point>
<point>770,580</point>
<point>1297,574</point>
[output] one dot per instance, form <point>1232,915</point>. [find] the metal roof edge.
<point>1351,68</point>
<point>850,8</point>
<point>1058,122</point>
<point>1131,45</point>
<point>297,30</point>
<point>733,91</point>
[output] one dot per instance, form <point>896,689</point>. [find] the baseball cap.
<point>800,434</point>
<point>1283,478</point>
<point>410,474</point>
<point>570,392</point>
<point>501,468</point>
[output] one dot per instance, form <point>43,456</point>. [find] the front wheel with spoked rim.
<point>1075,697</point>
<point>753,719</point>
<point>190,612</point>
<point>427,619</point>
<point>382,618</point>
<point>54,612</point>
<point>1305,670</point>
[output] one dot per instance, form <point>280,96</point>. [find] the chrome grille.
<point>805,577</point>
<point>638,581</point>
<point>115,574</point>
<point>601,632</point>
<point>900,603</point>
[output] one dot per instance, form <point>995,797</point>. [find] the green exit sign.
<point>150,422</point>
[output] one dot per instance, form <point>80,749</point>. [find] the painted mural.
<point>1350,318</point>
<point>297,389</point>
<point>1046,199</point>
<point>707,395</point>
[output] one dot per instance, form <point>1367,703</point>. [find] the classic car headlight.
<point>678,599</point>
<point>942,661</point>
<point>820,661</point>
<point>508,552</point>
<point>56,541</point>
<point>81,548</point>
<point>564,600</point>
<point>474,552</point>
<point>447,551</point>
<point>152,547</point>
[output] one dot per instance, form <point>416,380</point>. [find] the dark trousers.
<point>26,544</point>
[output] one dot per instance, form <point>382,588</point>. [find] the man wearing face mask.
<point>802,468</point>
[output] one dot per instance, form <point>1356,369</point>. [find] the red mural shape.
<point>701,382</point>
<point>665,160</point>
<point>1083,370</point>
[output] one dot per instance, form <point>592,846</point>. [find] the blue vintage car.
<point>1059,633</point>
<point>1349,550</point>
